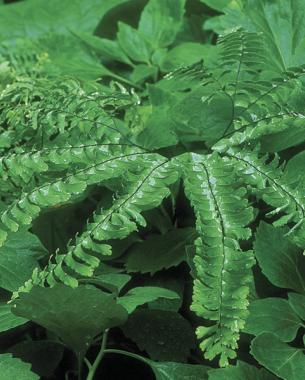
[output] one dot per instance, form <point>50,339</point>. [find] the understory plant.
<point>152,192</point>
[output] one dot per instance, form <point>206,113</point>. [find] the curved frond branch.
<point>62,190</point>
<point>144,191</point>
<point>268,183</point>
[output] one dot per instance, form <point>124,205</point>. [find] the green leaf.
<point>106,49</point>
<point>75,315</point>
<point>222,217</point>
<point>286,362</point>
<point>159,252</point>
<point>276,142</point>
<point>43,355</point>
<point>171,282</point>
<point>281,262</point>
<point>272,315</point>
<point>280,21</point>
<point>219,5</point>
<point>35,18</point>
<point>133,43</point>
<point>294,170</point>
<point>13,368</point>
<point>8,320</point>
<point>69,56</point>
<point>178,371</point>
<point>242,371</point>
<point>18,258</point>
<point>159,124</point>
<point>142,72</point>
<point>297,302</point>
<point>188,53</point>
<point>116,280</point>
<point>203,115</point>
<point>141,295</point>
<point>160,21</point>
<point>170,335</point>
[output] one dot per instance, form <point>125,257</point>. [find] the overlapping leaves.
<point>71,138</point>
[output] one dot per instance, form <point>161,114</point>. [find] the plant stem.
<point>94,366</point>
<point>126,353</point>
<point>79,366</point>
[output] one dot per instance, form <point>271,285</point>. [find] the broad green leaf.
<point>294,169</point>
<point>219,5</point>
<point>272,315</point>
<point>178,371</point>
<point>14,368</point>
<point>142,72</point>
<point>104,48</point>
<point>281,22</point>
<point>119,280</point>
<point>159,252</point>
<point>171,337</point>
<point>113,282</point>
<point>43,355</point>
<point>188,53</point>
<point>67,55</point>
<point>161,20</point>
<point>281,262</point>
<point>133,43</point>
<point>279,141</point>
<point>297,302</point>
<point>171,282</point>
<point>8,320</point>
<point>36,18</point>
<point>18,258</point>
<point>203,115</point>
<point>141,295</point>
<point>241,371</point>
<point>75,315</point>
<point>159,125</point>
<point>283,360</point>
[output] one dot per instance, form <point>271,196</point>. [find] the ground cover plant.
<point>152,189</point>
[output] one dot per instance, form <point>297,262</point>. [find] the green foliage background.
<point>152,189</point>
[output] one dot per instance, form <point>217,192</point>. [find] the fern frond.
<point>40,113</point>
<point>20,168</point>
<point>223,269</point>
<point>62,190</point>
<point>143,190</point>
<point>263,108</point>
<point>266,180</point>
<point>241,53</point>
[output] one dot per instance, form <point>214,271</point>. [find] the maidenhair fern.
<point>61,138</point>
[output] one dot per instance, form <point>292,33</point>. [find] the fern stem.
<point>100,355</point>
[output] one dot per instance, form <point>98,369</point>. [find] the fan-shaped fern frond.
<point>61,138</point>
